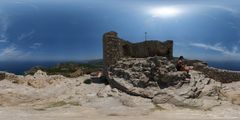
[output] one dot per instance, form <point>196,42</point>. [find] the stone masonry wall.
<point>224,76</point>
<point>115,48</point>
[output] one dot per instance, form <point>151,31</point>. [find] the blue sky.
<point>39,30</point>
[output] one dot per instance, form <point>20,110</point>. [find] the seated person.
<point>181,66</point>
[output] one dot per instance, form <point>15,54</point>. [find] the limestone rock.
<point>134,101</point>
<point>174,99</point>
<point>233,96</point>
<point>40,75</point>
<point>161,98</point>
<point>167,106</point>
<point>208,104</point>
<point>127,101</point>
<point>105,92</point>
<point>144,76</point>
<point>77,73</point>
<point>12,77</point>
<point>210,90</point>
<point>39,80</point>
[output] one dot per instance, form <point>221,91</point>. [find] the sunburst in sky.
<point>165,12</point>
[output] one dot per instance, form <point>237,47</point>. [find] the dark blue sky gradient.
<point>40,30</point>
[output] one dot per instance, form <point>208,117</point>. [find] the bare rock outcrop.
<point>157,78</point>
<point>231,92</point>
<point>199,92</point>
<point>144,77</point>
<point>39,80</point>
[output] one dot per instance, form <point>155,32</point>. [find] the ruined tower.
<point>115,48</point>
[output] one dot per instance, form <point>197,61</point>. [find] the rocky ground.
<point>56,97</point>
<point>156,78</point>
<point>72,99</point>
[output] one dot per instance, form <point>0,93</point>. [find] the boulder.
<point>232,96</point>
<point>162,98</point>
<point>77,73</point>
<point>40,75</point>
<point>122,85</point>
<point>105,91</point>
<point>144,76</point>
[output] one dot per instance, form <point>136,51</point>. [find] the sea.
<point>20,67</point>
<point>227,65</point>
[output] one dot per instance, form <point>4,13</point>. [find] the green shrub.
<point>88,81</point>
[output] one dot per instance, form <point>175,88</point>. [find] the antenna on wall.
<point>145,36</point>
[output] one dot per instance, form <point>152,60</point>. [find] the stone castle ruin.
<point>147,69</point>
<point>115,48</point>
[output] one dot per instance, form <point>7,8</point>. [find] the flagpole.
<point>145,36</point>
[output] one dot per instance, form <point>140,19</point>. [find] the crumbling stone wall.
<point>115,48</point>
<point>223,76</point>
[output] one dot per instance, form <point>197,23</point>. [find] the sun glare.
<point>165,12</point>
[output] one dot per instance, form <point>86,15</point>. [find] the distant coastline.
<point>21,66</point>
<point>227,65</point>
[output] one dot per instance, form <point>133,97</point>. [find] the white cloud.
<point>25,36</point>
<point>234,52</point>
<point>36,45</point>
<point>27,3</point>
<point>224,8</point>
<point>4,23</point>
<point>11,52</point>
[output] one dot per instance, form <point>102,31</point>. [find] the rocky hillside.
<point>70,69</point>
<point>157,78</point>
<point>155,90</point>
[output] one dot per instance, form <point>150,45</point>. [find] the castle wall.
<point>223,76</point>
<point>112,50</point>
<point>152,48</point>
<point>115,48</point>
